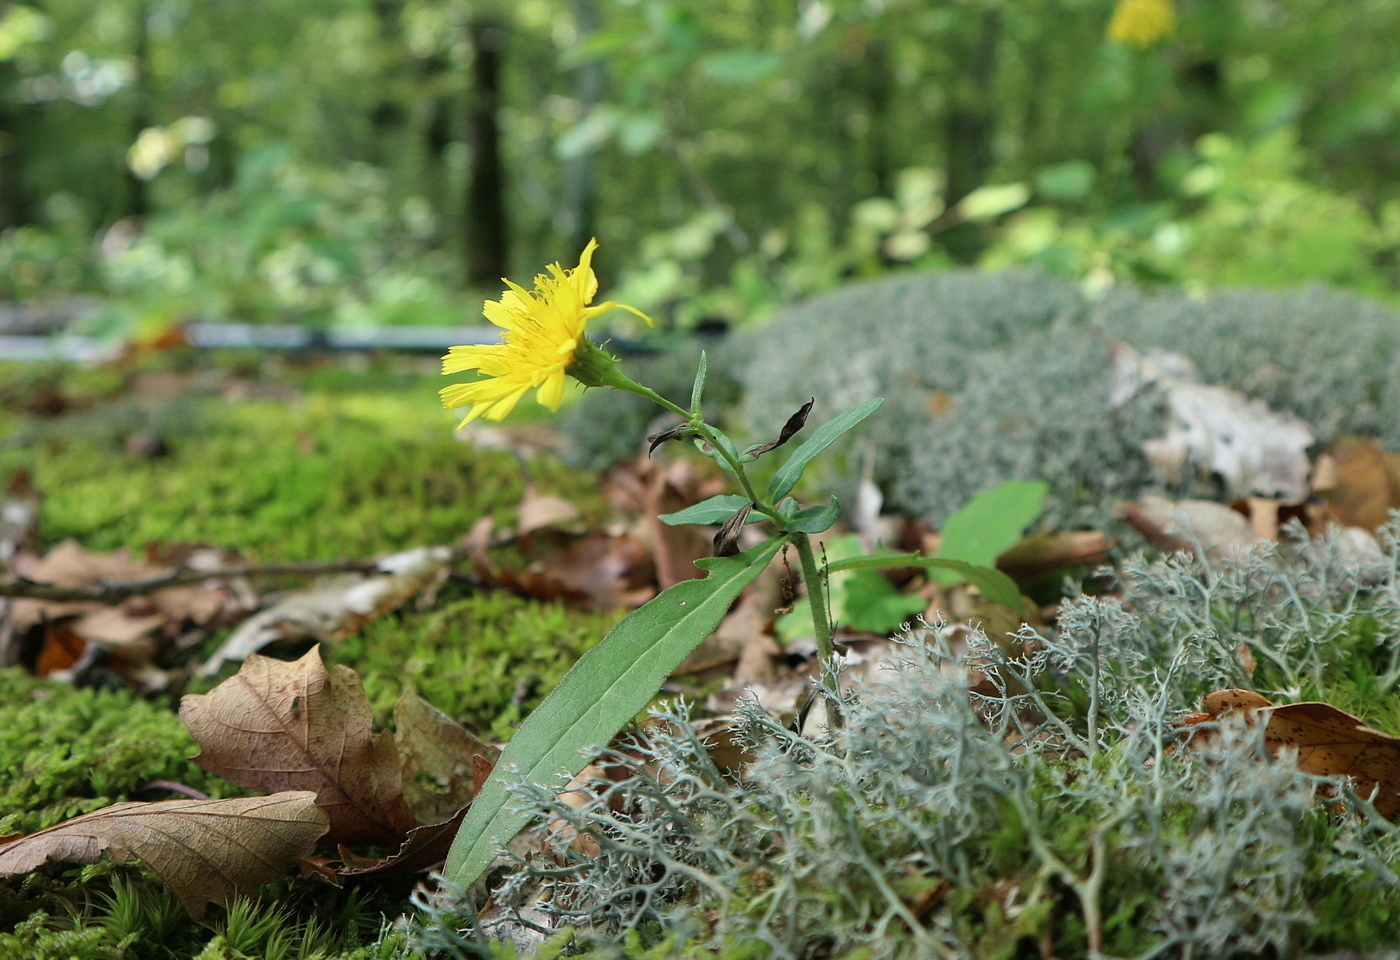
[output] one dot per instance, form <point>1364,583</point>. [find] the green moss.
<point>125,913</point>
<point>67,752</point>
<point>332,473</point>
<point>487,659</point>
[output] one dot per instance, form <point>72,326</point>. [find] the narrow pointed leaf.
<point>717,509</point>
<point>608,686</point>
<point>814,519</point>
<point>699,388</point>
<point>821,438</point>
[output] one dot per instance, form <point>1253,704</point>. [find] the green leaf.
<point>1070,180</point>
<point>717,509</point>
<point>728,445</point>
<point>813,519</point>
<point>992,522</point>
<point>872,603</point>
<point>986,203</point>
<point>608,686</point>
<point>821,438</point>
<point>699,387</point>
<point>994,585</point>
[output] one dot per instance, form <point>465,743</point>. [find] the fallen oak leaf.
<point>1325,740</point>
<point>206,851</point>
<point>294,726</point>
<point>1358,482</point>
<point>1331,742</point>
<point>424,848</point>
<point>438,759</point>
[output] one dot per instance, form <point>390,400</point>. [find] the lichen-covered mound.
<point>990,377</point>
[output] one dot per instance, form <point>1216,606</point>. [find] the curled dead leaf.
<point>438,756</point>
<point>294,726</point>
<point>206,851</point>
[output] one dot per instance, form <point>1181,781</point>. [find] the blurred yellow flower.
<point>1141,23</point>
<point>542,337</point>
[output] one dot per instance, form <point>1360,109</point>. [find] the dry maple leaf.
<point>206,851</point>
<point>293,726</point>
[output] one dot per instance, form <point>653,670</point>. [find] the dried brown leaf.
<point>538,510</point>
<point>437,754</point>
<point>1359,482</point>
<point>206,851</point>
<point>1326,742</point>
<point>293,726</point>
<point>424,848</point>
<point>337,609</point>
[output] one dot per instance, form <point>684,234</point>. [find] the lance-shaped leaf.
<point>795,423</point>
<point>821,438</point>
<point>717,509</point>
<point>609,685</point>
<point>698,388</point>
<point>994,585</point>
<point>206,851</point>
<point>812,519</point>
<point>293,726</point>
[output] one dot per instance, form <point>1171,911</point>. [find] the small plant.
<point>543,343</point>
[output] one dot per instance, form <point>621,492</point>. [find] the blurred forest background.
<point>386,161</point>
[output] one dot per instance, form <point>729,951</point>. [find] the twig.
<point>113,592</point>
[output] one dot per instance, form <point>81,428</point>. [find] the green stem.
<point>698,424</point>
<point>816,599</point>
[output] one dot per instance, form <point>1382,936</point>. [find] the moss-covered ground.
<point>307,462</point>
<point>320,460</point>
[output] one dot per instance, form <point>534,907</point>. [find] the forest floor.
<point>289,482</point>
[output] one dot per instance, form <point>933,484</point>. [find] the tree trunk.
<point>575,221</point>
<point>485,226</point>
<point>969,127</point>
<point>16,206</point>
<point>137,195</point>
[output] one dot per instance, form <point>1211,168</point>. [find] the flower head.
<point>541,338</point>
<point>1141,23</point>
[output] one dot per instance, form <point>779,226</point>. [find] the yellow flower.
<point>1141,23</point>
<point>542,338</point>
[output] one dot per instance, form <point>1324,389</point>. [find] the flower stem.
<point>816,599</point>
<point>708,433</point>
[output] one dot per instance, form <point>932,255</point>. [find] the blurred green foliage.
<point>327,162</point>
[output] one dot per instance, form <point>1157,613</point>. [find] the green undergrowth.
<point>104,912</point>
<point>486,660</point>
<point>66,752</point>
<point>338,464</point>
<point>1065,815</point>
<point>313,463</point>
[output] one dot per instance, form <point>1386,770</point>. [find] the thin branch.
<point>110,592</point>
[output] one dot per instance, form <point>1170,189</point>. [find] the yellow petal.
<point>552,391</point>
